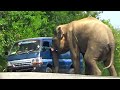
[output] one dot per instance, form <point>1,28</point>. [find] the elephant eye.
<point>60,34</point>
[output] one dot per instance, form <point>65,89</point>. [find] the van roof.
<point>36,38</point>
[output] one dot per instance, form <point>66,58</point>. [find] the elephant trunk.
<point>55,60</point>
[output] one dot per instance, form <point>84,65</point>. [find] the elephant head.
<point>60,44</point>
<point>60,39</point>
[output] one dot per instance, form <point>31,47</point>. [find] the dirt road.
<point>38,75</point>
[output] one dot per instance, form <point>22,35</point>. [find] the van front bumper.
<point>24,68</point>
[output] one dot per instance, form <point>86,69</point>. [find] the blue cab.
<point>33,54</point>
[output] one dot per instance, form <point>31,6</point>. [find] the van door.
<point>45,52</point>
<point>65,61</point>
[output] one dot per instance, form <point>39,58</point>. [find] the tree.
<point>16,25</point>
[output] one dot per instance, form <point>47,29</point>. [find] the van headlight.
<point>9,64</point>
<point>37,61</point>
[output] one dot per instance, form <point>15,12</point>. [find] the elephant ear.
<point>60,33</point>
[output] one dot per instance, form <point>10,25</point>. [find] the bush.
<point>3,63</point>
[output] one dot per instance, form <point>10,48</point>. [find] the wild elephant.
<point>88,36</point>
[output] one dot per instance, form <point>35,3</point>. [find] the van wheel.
<point>49,70</point>
<point>9,70</point>
<point>71,71</point>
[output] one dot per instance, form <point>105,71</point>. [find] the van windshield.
<point>25,47</point>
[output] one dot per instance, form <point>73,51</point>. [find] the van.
<point>34,54</point>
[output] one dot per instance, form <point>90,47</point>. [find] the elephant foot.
<point>95,72</point>
<point>112,71</point>
<point>77,71</point>
<point>114,74</point>
<point>55,70</point>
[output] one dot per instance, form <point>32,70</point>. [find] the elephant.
<point>88,36</point>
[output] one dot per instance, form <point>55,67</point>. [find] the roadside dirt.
<point>39,75</point>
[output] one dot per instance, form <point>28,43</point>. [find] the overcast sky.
<point>114,17</point>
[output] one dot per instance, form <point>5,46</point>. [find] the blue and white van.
<point>33,54</point>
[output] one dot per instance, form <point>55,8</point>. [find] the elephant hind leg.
<point>111,69</point>
<point>91,68</point>
<point>109,61</point>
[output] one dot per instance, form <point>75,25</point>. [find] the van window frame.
<point>47,48</point>
<point>24,41</point>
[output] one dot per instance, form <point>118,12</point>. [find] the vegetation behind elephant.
<point>90,37</point>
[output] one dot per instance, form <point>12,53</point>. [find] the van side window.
<point>45,44</point>
<point>45,52</point>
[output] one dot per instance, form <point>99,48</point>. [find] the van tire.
<point>49,70</point>
<point>71,71</point>
<point>9,70</point>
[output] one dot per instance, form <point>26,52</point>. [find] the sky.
<point>114,17</point>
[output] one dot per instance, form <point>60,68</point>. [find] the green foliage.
<point>16,25</point>
<point>2,63</point>
<point>117,50</point>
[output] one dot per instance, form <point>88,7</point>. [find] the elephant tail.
<point>110,57</point>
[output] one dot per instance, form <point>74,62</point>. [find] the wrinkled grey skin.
<point>89,36</point>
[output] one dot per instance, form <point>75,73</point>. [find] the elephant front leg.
<point>76,60</point>
<point>55,62</point>
<point>56,67</point>
<point>76,64</point>
<point>74,50</point>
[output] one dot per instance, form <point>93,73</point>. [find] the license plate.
<point>18,64</point>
